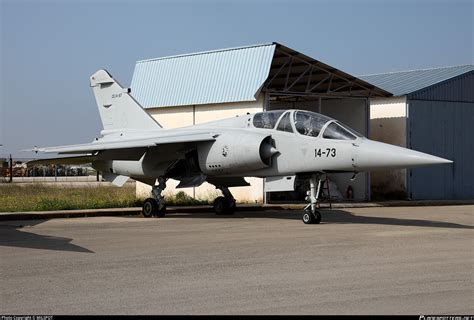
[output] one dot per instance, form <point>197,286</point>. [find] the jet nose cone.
<point>438,160</point>
<point>377,155</point>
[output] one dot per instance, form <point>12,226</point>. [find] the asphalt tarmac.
<point>399,260</point>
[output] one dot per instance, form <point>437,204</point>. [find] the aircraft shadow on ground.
<point>12,235</point>
<point>333,217</point>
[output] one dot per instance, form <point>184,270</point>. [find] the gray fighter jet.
<point>277,145</point>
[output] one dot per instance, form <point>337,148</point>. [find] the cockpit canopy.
<point>309,123</point>
<point>267,120</point>
<point>305,123</point>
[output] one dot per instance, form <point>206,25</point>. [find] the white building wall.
<point>175,117</point>
<point>388,123</point>
<point>352,112</point>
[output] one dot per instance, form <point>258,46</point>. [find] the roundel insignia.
<point>225,151</point>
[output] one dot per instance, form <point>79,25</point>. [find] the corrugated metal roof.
<point>406,82</point>
<point>220,76</point>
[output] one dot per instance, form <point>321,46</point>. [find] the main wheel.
<point>160,212</point>
<point>232,207</point>
<point>150,206</point>
<point>222,206</point>
<point>307,217</point>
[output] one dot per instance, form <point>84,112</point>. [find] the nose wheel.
<point>310,217</point>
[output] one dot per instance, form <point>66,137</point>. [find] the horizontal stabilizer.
<point>63,160</point>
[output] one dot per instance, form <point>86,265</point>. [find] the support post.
<point>367,129</point>
<point>194,122</point>
<point>266,101</point>
<point>11,168</point>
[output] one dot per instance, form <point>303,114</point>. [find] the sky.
<point>48,49</point>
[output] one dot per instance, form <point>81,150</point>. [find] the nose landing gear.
<point>311,214</point>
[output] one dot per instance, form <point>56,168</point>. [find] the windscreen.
<point>337,132</point>
<point>309,123</point>
<point>357,134</point>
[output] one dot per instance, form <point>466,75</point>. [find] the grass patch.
<point>38,197</point>
<point>183,199</point>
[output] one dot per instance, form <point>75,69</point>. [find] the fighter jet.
<point>277,145</point>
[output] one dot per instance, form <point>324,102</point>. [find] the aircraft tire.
<point>317,217</point>
<point>160,212</point>
<point>232,208</point>
<point>221,206</point>
<point>150,206</point>
<point>307,217</point>
<point>311,217</point>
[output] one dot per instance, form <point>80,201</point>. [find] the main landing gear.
<point>226,204</point>
<point>156,206</point>
<point>311,214</point>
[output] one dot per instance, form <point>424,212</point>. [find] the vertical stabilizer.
<point>118,110</point>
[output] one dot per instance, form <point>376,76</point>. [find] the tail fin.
<point>118,110</point>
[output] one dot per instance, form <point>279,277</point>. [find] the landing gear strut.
<point>226,204</point>
<point>311,214</point>
<point>155,206</point>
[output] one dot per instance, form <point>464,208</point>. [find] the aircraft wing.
<point>129,143</point>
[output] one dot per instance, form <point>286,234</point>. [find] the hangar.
<point>432,111</point>
<point>193,88</point>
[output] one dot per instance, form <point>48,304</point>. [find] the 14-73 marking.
<point>328,152</point>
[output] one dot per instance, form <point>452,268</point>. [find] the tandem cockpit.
<point>306,123</point>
